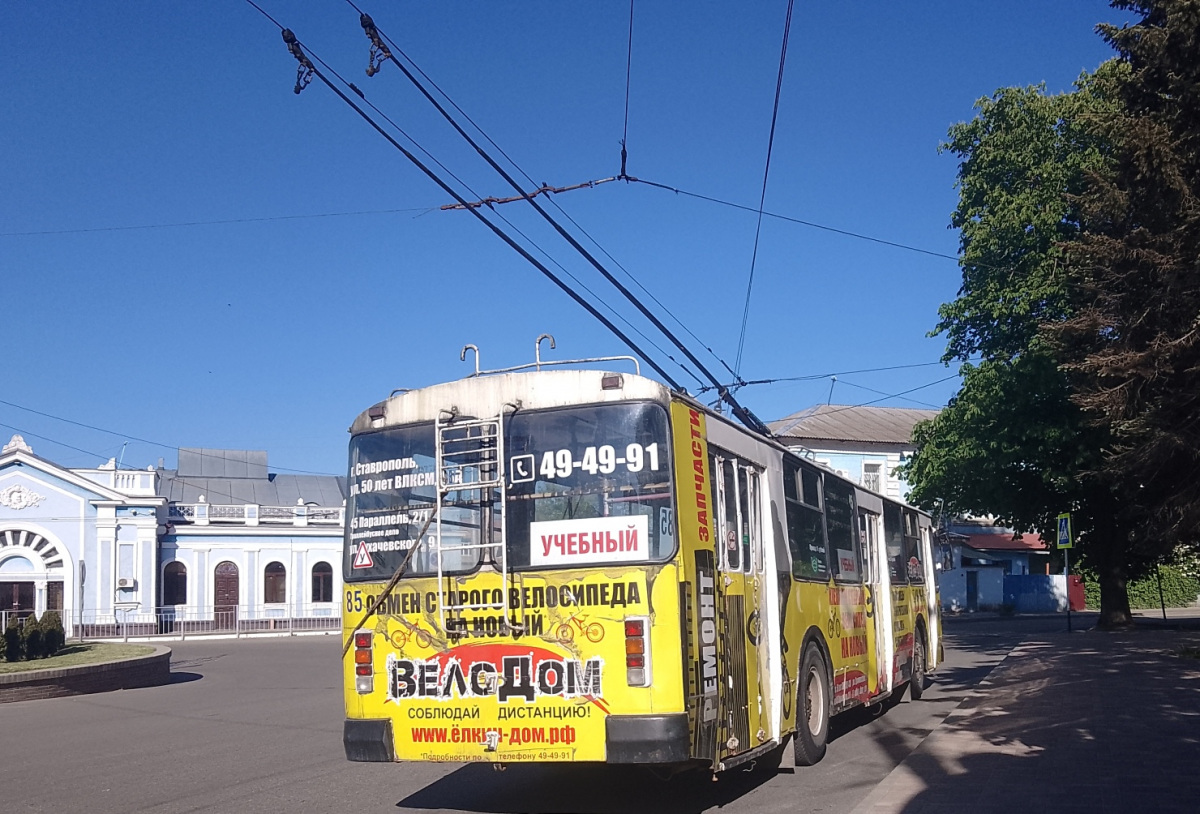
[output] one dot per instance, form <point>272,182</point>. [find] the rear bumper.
<point>368,741</point>
<point>628,739</point>
<point>647,738</point>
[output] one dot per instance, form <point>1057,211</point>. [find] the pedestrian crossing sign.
<point>1065,540</point>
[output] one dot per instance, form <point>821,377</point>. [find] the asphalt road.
<point>254,725</point>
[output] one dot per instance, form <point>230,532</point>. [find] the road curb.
<point>883,799</point>
<point>149,670</point>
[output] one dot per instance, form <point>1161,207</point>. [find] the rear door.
<point>739,538</point>
<point>877,587</point>
<point>849,628</point>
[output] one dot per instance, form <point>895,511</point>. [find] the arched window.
<point>275,583</point>
<point>322,582</point>
<point>175,584</point>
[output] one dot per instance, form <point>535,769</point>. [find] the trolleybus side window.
<point>751,520</point>
<point>589,485</point>
<point>844,556</point>
<point>736,523</point>
<point>806,527</point>
<point>912,547</point>
<point>893,537</point>
<point>867,535</point>
<point>725,519</point>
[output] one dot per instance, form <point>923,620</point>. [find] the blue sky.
<point>278,317</point>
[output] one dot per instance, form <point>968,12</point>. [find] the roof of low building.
<point>222,463</point>
<point>236,477</point>
<point>838,422</point>
<point>1003,542</point>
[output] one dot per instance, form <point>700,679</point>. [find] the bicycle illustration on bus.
<point>594,631</point>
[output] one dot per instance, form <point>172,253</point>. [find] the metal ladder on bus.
<point>470,464</point>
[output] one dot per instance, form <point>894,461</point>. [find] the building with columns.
<point>218,544</point>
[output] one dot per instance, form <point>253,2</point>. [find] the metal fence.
<point>19,615</point>
<point>179,623</point>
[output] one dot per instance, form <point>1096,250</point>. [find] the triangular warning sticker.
<point>362,557</point>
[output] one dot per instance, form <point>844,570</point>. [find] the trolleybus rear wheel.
<point>916,687</point>
<point>812,708</point>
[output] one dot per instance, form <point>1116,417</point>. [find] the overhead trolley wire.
<point>301,83</point>
<point>379,47</point>
<point>427,209</point>
<point>396,49</point>
<point>381,51</point>
<point>307,70</point>
<point>509,223</point>
<point>886,395</point>
<point>787,27</point>
<point>624,176</point>
<point>514,227</point>
<point>373,68</point>
<point>818,376</point>
<point>224,222</point>
<point>134,437</point>
<point>23,433</point>
<point>544,189</point>
<point>789,219</point>
<point>206,487</point>
<point>628,75</point>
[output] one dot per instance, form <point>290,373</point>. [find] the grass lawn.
<point>75,654</point>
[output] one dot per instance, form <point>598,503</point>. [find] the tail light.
<point>364,672</point>
<point>637,651</point>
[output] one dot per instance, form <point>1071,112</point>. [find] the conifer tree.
<point>1132,344</point>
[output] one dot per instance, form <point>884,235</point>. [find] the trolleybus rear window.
<point>589,485</point>
<point>393,494</point>
<point>585,486</point>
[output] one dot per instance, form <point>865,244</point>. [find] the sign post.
<point>1065,543</point>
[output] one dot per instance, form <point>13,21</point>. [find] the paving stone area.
<point>1071,722</point>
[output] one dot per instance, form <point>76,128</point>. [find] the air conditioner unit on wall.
<point>126,582</point>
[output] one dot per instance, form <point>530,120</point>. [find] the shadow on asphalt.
<point>1093,721</point>
<point>585,788</point>
<point>597,788</point>
<point>184,678</point>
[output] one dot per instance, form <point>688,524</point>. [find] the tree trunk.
<point>1114,598</point>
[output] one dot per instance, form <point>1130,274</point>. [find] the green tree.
<point>13,649</point>
<point>52,631</point>
<point>1013,443</point>
<point>1132,344</point>
<point>33,638</point>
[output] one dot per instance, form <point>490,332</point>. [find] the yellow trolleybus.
<point>582,565</point>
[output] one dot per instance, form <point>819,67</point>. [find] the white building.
<point>865,444</point>
<point>220,543</point>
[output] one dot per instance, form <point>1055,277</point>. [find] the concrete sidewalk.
<point>1086,619</point>
<point>1069,722</point>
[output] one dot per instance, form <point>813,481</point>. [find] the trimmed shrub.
<point>1178,589</point>
<point>13,645</point>
<point>32,634</point>
<point>53,634</point>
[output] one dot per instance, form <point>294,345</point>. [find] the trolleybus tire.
<point>812,709</point>
<point>916,687</point>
